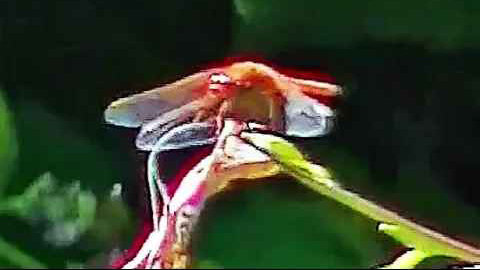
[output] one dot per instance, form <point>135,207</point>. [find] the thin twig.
<point>319,179</point>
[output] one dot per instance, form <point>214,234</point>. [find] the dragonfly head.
<point>220,82</point>
<point>250,74</point>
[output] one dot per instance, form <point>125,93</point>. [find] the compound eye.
<point>219,78</point>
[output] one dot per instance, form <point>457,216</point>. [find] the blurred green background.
<point>407,132</point>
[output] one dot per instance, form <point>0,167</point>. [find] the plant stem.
<point>18,257</point>
<point>423,236</point>
<point>12,253</point>
<point>319,179</point>
<point>408,260</point>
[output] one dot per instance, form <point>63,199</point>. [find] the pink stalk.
<point>168,243</point>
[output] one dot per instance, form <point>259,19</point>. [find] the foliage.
<point>423,241</point>
<point>407,132</point>
<point>67,211</point>
<point>8,143</point>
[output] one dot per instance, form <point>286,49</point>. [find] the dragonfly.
<point>231,159</point>
<point>193,111</point>
<point>246,91</point>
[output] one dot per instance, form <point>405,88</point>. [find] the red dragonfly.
<point>192,112</point>
<point>245,91</point>
<point>164,240</point>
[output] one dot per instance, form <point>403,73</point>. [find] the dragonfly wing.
<point>306,117</point>
<point>304,113</point>
<point>153,130</point>
<point>135,110</point>
<point>187,135</point>
<point>314,88</point>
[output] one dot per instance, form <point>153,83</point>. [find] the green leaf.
<point>8,144</point>
<point>65,211</point>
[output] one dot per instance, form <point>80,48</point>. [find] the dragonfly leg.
<point>222,112</point>
<point>158,190</point>
<point>200,115</point>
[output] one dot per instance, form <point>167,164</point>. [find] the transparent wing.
<point>187,135</point>
<point>305,113</point>
<point>137,109</point>
<point>153,130</point>
<point>306,117</point>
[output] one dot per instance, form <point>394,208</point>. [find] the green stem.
<point>436,243</point>
<point>319,179</point>
<point>18,257</point>
<point>9,251</point>
<point>408,260</point>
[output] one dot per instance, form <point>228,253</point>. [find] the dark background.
<point>406,136</point>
